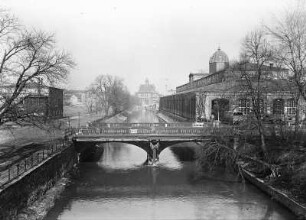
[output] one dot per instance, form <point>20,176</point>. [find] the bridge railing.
<point>19,167</point>
<point>150,125</point>
<point>155,131</point>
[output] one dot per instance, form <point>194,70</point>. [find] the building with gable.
<point>148,96</point>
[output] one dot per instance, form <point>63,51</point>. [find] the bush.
<point>214,155</point>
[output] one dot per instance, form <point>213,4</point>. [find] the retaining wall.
<point>29,187</point>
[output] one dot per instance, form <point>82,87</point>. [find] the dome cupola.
<point>218,61</point>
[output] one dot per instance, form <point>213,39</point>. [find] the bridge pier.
<point>153,155</point>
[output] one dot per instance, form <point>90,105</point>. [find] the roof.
<point>253,66</point>
<point>267,86</point>
<point>147,88</point>
<point>198,74</point>
<point>219,57</point>
<point>29,85</point>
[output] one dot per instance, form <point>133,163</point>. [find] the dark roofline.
<point>263,67</point>
<point>198,74</point>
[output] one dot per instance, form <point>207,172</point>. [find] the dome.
<point>219,57</point>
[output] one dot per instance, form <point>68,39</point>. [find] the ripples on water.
<point>119,186</point>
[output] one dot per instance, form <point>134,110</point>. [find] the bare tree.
<point>26,57</point>
<point>256,54</point>
<point>91,101</point>
<point>119,96</point>
<point>111,93</point>
<point>289,34</point>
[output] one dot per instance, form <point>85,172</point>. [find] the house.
<point>147,95</point>
<point>38,99</point>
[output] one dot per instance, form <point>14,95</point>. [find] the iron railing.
<point>154,131</point>
<point>19,167</point>
<point>146,125</point>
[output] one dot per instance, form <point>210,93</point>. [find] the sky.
<point>159,40</point>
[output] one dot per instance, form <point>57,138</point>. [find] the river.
<point>120,186</point>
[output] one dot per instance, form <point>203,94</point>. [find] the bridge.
<point>151,137</point>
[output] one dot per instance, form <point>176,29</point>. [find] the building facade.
<point>39,100</point>
<point>75,97</point>
<point>148,96</point>
<point>222,92</point>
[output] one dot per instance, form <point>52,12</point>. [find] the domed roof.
<point>219,57</point>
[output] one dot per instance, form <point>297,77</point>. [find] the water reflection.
<point>117,156</point>
<point>119,186</point>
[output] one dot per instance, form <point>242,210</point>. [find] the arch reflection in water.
<point>118,156</point>
<point>126,156</point>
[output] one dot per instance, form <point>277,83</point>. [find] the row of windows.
<point>278,106</point>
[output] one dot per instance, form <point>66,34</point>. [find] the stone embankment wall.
<point>23,191</point>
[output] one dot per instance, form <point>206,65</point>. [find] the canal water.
<point>120,186</point>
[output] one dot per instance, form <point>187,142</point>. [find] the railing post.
<point>9,174</point>
<point>25,164</point>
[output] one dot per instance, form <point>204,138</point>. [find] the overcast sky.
<point>162,40</point>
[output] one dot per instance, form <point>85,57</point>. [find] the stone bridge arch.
<point>152,147</point>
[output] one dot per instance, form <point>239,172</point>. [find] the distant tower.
<point>218,61</point>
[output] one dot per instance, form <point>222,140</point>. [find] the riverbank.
<point>39,209</point>
<point>14,137</point>
<point>43,202</point>
<point>280,186</point>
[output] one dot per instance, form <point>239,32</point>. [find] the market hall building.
<point>219,93</point>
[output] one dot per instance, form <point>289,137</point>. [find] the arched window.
<point>278,106</point>
<point>244,106</point>
<point>291,107</point>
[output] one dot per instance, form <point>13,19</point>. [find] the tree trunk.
<point>263,144</point>
<point>262,139</point>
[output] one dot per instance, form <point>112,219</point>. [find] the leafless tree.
<point>26,57</point>
<point>111,93</point>
<point>289,34</point>
<point>91,101</point>
<point>256,55</point>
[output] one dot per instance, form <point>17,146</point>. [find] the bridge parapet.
<point>150,125</point>
<point>174,131</point>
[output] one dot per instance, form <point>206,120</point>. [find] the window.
<point>278,106</point>
<point>244,106</point>
<point>261,106</point>
<point>291,107</point>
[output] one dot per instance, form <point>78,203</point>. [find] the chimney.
<point>190,78</point>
